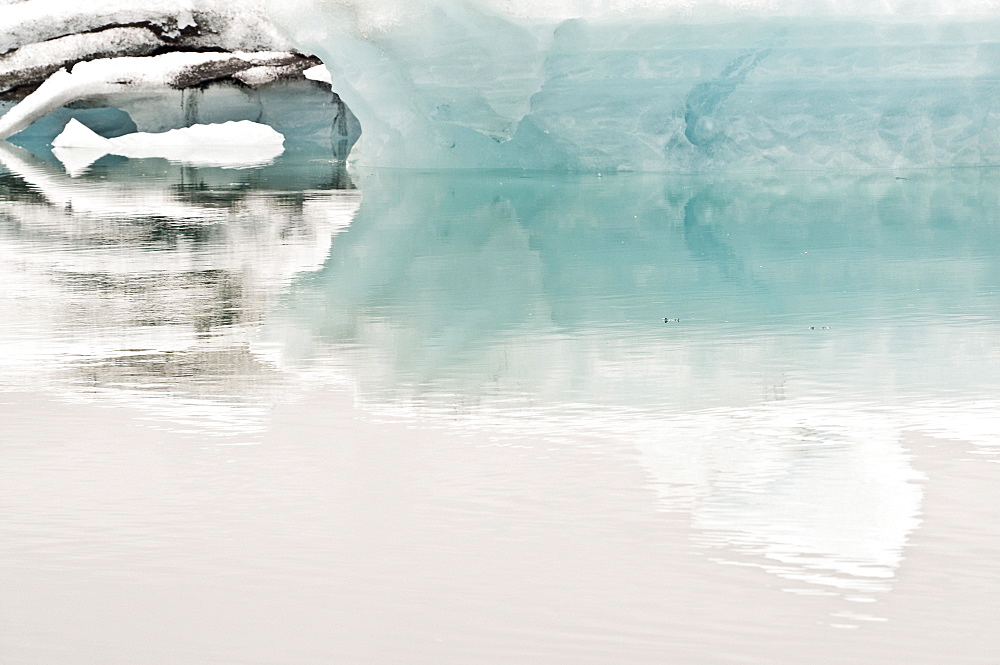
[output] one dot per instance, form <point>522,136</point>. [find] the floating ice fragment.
<point>237,144</point>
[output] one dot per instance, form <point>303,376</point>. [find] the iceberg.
<point>121,67</point>
<point>585,85</point>
<point>661,85</point>
<point>239,144</point>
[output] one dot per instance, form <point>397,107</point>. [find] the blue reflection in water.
<point>764,342</point>
<point>565,289</point>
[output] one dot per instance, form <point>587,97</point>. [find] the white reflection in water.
<point>150,281</point>
<point>813,493</point>
<point>764,346</point>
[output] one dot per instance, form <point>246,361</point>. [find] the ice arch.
<point>661,85</point>
<point>155,66</point>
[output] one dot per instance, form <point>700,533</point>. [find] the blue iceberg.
<point>661,86</point>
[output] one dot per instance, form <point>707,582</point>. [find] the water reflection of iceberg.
<point>813,314</point>
<point>820,320</point>
<point>815,493</point>
<point>865,285</point>
<point>146,282</point>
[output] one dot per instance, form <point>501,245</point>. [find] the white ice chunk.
<point>318,73</point>
<point>239,144</point>
<point>78,135</point>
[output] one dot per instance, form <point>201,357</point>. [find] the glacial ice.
<point>659,85</point>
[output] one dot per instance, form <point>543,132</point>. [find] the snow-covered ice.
<point>215,23</point>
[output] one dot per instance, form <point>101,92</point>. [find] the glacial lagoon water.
<point>291,415</point>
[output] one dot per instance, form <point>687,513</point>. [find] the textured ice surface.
<point>661,85</point>
<point>233,26</point>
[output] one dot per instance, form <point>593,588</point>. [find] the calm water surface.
<point>283,415</point>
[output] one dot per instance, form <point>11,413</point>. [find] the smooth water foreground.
<point>277,416</point>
